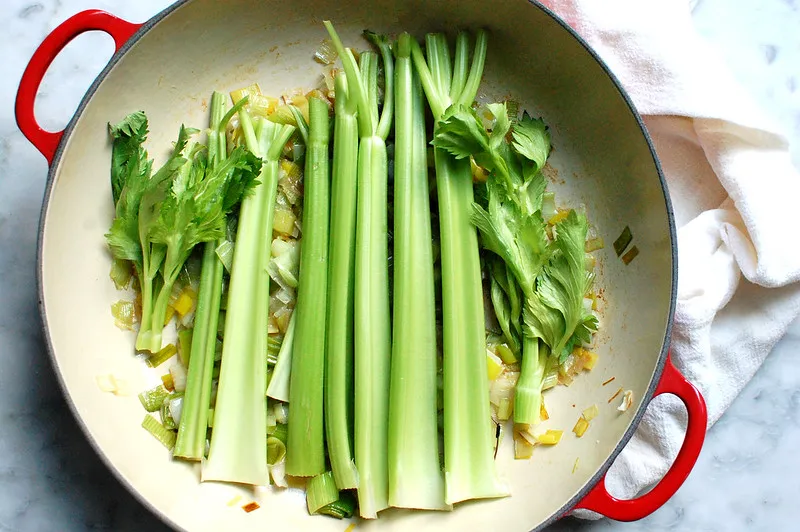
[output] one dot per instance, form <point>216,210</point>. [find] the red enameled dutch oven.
<point>603,159</point>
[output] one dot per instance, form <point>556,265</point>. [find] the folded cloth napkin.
<point>735,193</point>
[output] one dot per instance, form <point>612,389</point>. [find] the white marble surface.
<point>51,479</point>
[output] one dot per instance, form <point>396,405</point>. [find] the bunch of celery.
<point>161,217</point>
<point>468,441</point>
<point>372,338</point>
<point>358,362</point>
<point>415,478</point>
<point>191,440</point>
<point>551,274</point>
<point>238,451</point>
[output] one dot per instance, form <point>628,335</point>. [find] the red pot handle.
<point>120,30</point>
<point>600,501</point>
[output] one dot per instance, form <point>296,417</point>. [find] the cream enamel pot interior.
<point>603,159</point>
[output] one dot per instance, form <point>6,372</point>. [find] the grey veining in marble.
<point>51,479</point>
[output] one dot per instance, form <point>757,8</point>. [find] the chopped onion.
<point>580,426</point>
<point>284,266</point>
<point>526,434</point>
<point>285,295</point>
<point>591,413</point>
<point>504,409</point>
<point>522,448</point>
<point>593,244</point>
<point>124,313</point>
<point>551,437</point>
<point>329,78</point>
<point>105,383</point>
<point>494,365</point>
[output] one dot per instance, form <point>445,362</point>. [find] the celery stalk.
<point>528,393</point>
<point>305,455</point>
<point>372,338</point>
<point>415,478</point>
<point>193,426</point>
<point>468,439</point>
<point>238,451</point>
<point>339,363</point>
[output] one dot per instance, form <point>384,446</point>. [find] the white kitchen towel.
<point>735,194</point>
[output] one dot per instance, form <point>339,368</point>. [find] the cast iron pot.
<point>603,159</point>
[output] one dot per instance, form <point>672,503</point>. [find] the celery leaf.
<point>532,140</point>
<point>556,312</point>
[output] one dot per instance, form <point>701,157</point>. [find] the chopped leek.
<point>505,354</point>
<point>630,255</point>
<point>321,491</point>
<point>276,449</point>
<point>158,358</point>
<point>280,431</point>
<point>153,398</point>
<point>580,426</point>
<point>551,437</point>
<point>623,240</point>
<point>278,387</point>
<point>159,432</point>
<point>166,416</point>
<point>593,244</point>
<point>124,313</point>
<point>343,508</point>
<point>185,345</point>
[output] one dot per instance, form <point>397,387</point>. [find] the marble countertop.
<point>51,479</point>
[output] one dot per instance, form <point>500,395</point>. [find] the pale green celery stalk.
<point>341,269</point>
<point>238,450</point>
<point>415,474</point>
<point>153,335</point>
<point>278,387</point>
<point>372,337</point>
<point>196,401</point>
<point>152,257</point>
<point>161,303</point>
<point>305,454</point>
<point>528,392</point>
<point>468,439</point>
